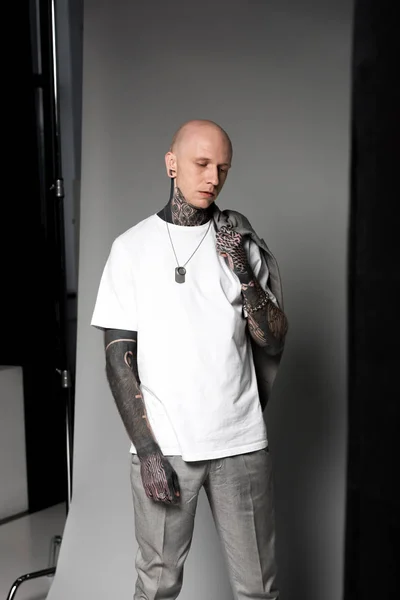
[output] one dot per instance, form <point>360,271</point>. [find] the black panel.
<point>373,502</point>
<point>32,315</point>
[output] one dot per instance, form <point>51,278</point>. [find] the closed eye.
<point>205,164</point>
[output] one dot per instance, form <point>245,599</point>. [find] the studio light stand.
<point>48,82</point>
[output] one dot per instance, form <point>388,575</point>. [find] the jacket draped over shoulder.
<point>266,366</point>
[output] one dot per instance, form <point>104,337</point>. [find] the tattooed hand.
<point>160,480</point>
<point>230,246</point>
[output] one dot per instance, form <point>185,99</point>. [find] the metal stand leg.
<point>54,549</point>
<point>27,577</point>
<point>53,556</point>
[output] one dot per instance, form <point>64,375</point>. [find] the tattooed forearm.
<point>267,325</point>
<point>160,481</point>
<point>123,377</point>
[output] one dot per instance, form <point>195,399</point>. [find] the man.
<point>185,305</point>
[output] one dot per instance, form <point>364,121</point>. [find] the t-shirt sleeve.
<point>259,268</point>
<point>115,306</point>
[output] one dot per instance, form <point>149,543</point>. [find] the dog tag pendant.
<point>180,273</point>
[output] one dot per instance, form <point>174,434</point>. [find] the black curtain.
<point>32,299</point>
<point>372,558</point>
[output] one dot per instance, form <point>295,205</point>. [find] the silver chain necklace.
<point>180,271</point>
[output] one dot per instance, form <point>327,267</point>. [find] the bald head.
<point>194,129</point>
<point>199,158</point>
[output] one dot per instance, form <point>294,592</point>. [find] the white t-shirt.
<point>194,354</point>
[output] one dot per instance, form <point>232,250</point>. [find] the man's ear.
<point>170,163</point>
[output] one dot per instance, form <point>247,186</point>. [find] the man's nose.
<point>213,176</point>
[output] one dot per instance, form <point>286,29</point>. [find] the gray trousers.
<point>240,492</point>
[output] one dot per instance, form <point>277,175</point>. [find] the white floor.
<point>25,547</point>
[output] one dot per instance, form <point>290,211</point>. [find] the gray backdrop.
<point>276,75</point>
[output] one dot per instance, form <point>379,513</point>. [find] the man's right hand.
<point>160,480</point>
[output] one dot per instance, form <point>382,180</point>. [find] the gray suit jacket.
<point>266,366</point>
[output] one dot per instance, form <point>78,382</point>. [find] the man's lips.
<point>208,193</point>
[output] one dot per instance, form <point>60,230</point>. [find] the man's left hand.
<point>230,246</point>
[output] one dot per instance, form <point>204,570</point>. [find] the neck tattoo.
<point>179,212</point>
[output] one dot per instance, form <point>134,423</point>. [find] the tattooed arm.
<point>267,324</point>
<point>159,479</point>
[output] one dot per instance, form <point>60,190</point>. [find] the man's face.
<point>202,160</point>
